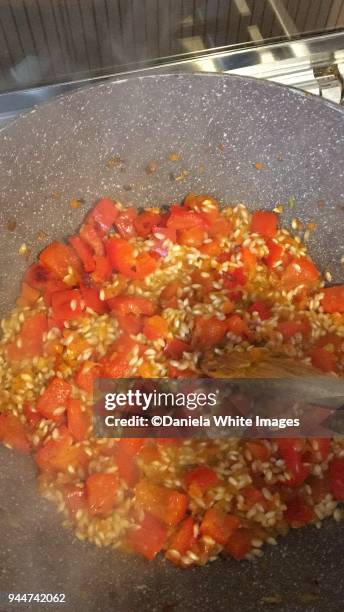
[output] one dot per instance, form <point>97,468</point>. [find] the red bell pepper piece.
<point>78,419</point>
<point>125,223</point>
<point>28,296</point>
<point>219,525</point>
<point>201,476</point>
<point>183,538</point>
<point>336,471</point>
<point>324,360</point>
<point>288,329</point>
<point>90,235</point>
<point>155,327</point>
<point>298,513</point>
<point>191,236</point>
<point>121,254</point>
<point>149,538</point>
<point>262,309</point>
<point>102,492</point>
<point>290,450</point>
<point>86,376</point>
<point>167,505</point>
<point>175,348</point>
<point>264,223</point>
<point>208,332</point>
<point>54,397</point>
<point>103,215</point>
<point>74,498</point>
<point>333,300</point>
<point>258,450</point>
<point>84,251</point>
<point>235,278</point>
<point>181,218</point>
<point>67,305</point>
<point>60,259</point>
<point>56,455</point>
<point>103,269</point>
<point>37,276</point>
<point>31,414</point>
<point>30,338</point>
<point>239,543</point>
<point>13,432</point>
<point>277,256</point>
<point>92,299</point>
<point>301,271</point>
<point>145,222</point>
<point>131,304</point>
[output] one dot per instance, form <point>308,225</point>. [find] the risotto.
<point>148,294</point>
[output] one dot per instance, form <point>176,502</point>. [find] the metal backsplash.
<point>46,41</point>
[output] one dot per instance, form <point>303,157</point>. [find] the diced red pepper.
<point>333,300</point>
<point>57,454</point>
<point>13,432</point>
<point>74,498</point>
<point>264,223</point>
<point>92,299</point>
<point>277,256</point>
<point>298,513</point>
<point>249,260</point>
<point>208,332</point>
<point>121,254</point>
<point>258,450</point>
<point>67,305</point>
<point>103,269</point>
<point>239,543</point>
<point>54,396</point>
<point>131,304</point>
<point>183,538</point>
<point>182,218</point>
<point>301,271</point>
<point>262,309</point>
<point>90,235</point>
<point>52,286</point>
<point>191,236</point>
<point>219,228</point>
<point>155,327</point>
<point>219,525</point>
<point>290,451</point>
<point>288,329</point>
<point>235,278</point>
<point>29,342</point>
<point>102,492</point>
<point>202,476</point>
<point>336,471</point>
<point>125,223</point>
<point>131,446</point>
<point>114,366</point>
<point>84,251</point>
<point>175,348</point>
<point>28,295</point>
<point>104,214</point>
<point>324,360</point>
<point>145,222</point>
<point>78,419</point>
<point>37,276</point>
<point>320,487</point>
<point>31,414</point>
<point>86,376</point>
<point>127,467</point>
<point>149,538</point>
<point>167,505</point>
<point>60,259</point>
<point>251,496</point>
<point>322,446</point>
<point>237,326</point>
<point>130,323</point>
<point>163,233</point>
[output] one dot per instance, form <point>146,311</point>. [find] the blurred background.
<point>52,41</point>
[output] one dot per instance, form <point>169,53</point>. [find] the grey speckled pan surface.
<point>220,126</point>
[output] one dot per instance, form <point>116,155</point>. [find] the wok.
<point>98,142</point>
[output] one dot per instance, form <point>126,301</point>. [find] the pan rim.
<point>312,98</point>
